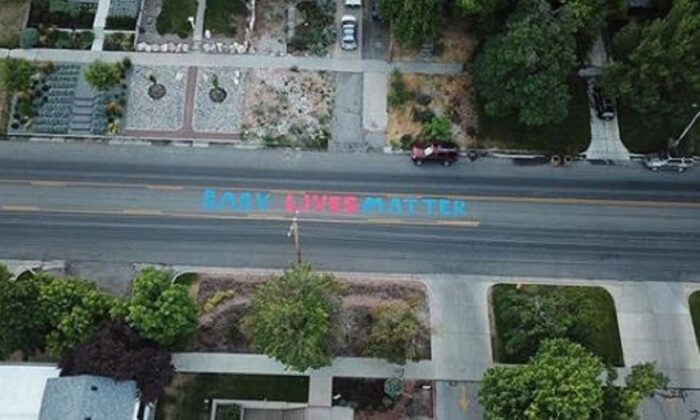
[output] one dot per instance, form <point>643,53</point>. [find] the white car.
<point>348,32</point>
<point>666,163</point>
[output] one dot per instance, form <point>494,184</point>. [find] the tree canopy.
<point>116,351</point>
<point>396,333</point>
<point>412,21</point>
<point>534,317</point>
<point>656,72</point>
<point>294,319</point>
<point>524,71</point>
<point>159,310</point>
<point>22,323</point>
<point>562,381</point>
<point>73,309</point>
<point>102,76</point>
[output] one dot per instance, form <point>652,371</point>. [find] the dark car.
<point>445,153</point>
<point>604,105</point>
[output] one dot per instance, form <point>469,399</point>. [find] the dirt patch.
<point>448,95</point>
<point>12,14</point>
<point>221,329</point>
<point>455,45</point>
<point>288,108</point>
<point>270,31</point>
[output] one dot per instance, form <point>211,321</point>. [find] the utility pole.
<point>294,234</point>
<point>678,140</point>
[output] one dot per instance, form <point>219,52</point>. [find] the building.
<point>88,397</point>
<point>22,388</point>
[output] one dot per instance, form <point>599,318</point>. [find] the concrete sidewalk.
<point>241,61</point>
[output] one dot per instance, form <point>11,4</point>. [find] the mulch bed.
<point>221,330</point>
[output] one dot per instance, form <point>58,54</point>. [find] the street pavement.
<point>80,202</point>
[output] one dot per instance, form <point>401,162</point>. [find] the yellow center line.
<point>243,216</point>
<point>476,198</point>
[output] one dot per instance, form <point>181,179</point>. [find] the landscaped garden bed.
<point>156,98</point>
<point>173,17</point>
<point>369,399</point>
<point>189,396</point>
<point>317,31</point>
<point>526,314</point>
<point>289,108</point>
<point>61,14</point>
<point>226,18</point>
<point>119,41</point>
<point>219,100</point>
<point>221,327</point>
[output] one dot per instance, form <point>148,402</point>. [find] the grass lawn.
<point>12,14</point>
<point>694,303</point>
<point>173,17</point>
<point>219,14</point>
<point>638,137</point>
<point>604,341</point>
<point>189,395</point>
<point>571,136</point>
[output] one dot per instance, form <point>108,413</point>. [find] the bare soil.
<point>293,105</point>
<point>455,45</point>
<point>12,14</point>
<point>221,330</point>
<point>450,96</point>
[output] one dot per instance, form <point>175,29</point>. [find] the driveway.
<point>346,126</point>
<point>375,35</point>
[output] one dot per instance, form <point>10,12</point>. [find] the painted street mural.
<point>224,201</point>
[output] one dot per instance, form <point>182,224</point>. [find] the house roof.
<point>88,397</point>
<point>21,389</point>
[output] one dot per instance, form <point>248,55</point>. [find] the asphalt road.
<point>145,204</point>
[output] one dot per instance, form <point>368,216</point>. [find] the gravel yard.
<point>225,116</point>
<point>164,114</point>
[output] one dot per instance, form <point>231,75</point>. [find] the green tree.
<point>560,382</point>
<point>16,74</point>
<point>73,308</point>
<point>621,403</point>
<point>103,76</point>
<point>439,128</point>
<point>22,324</point>
<point>159,310</point>
<point>412,21</point>
<point>295,318</point>
<point>396,333</point>
<point>482,7</point>
<point>534,317</point>
<point>524,71</point>
<point>656,72</point>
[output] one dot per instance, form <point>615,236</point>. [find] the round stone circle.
<point>156,91</point>
<point>217,95</point>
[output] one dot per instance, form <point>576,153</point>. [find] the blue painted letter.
<point>209,200</point>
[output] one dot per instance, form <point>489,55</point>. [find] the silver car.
<point>666,163</point>
<point>348,38</point>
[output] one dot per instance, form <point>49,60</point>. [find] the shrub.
<point>102,76</point>
<point>423,115</point>
<point>438,129</point>
<point>395,333</point>
<point>28,38</point>
<point>398,91</point>
<point>17,74</point>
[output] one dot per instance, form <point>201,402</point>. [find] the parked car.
<point>348,28</point>
<point>444,153</point>
<point>604,105</point>
<point>353,3</point>
<point>662,162</point>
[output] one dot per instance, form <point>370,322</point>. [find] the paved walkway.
<point>99,24</point>
<point>605,135</point>
<point>232,60</point>
<point>199,20</point>
<point>654,323</point>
